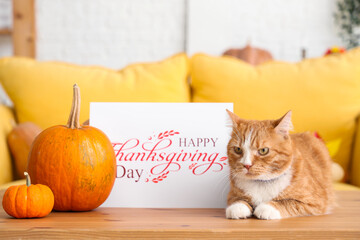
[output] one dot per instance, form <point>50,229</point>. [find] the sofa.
<point>323,93</point>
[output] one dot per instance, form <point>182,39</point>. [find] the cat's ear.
<point>234,118</point>
<point>284,124</point>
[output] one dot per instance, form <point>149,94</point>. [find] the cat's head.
<point>260,150</point>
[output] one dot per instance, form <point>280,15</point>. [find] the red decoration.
<point>335,50</point>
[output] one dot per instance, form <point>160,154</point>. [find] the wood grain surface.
<point>130,223</point>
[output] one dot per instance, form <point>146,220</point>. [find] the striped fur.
<point>292,179</point>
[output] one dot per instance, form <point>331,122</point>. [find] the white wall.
<point>5,40</point>
<point>5,22</point>
<point>114,33</point>
<point>281,26</point>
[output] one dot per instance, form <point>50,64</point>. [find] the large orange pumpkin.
<point>76,162</point>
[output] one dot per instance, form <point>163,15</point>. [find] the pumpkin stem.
<point>28,180</point>
<point>74,118</point>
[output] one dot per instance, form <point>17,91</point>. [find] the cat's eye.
<point>237,150</point>
<point>263,151</point>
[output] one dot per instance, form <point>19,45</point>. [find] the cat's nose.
<point>248,167</point>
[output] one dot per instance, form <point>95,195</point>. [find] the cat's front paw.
<point>237,211</point>
<point>266,211</point>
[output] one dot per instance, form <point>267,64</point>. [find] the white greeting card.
<point>168,155</point>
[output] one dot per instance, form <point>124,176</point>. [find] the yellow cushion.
<point>42,91</point>
<point>323,93</point>
<point>7,122</point>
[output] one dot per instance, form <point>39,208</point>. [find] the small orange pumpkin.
<point>28,201</point>
<point>19,141</point>
<point>77,162</point>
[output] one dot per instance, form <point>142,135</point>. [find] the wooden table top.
<point>129,223</point>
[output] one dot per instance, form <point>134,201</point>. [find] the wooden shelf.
<point>134,223</point>
<point>5,31</point>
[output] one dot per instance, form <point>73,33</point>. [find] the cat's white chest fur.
<point>264,191</point>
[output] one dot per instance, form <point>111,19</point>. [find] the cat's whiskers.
<point>236,176</point>
<point>275,168</point>
<point>224,183</point>
<point>232,174</point>
<point>236,131</point>
<point>225,177</point>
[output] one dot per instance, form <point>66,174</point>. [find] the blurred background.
<point>115,33</point>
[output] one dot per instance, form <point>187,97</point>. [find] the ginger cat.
<point>275,174</point>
